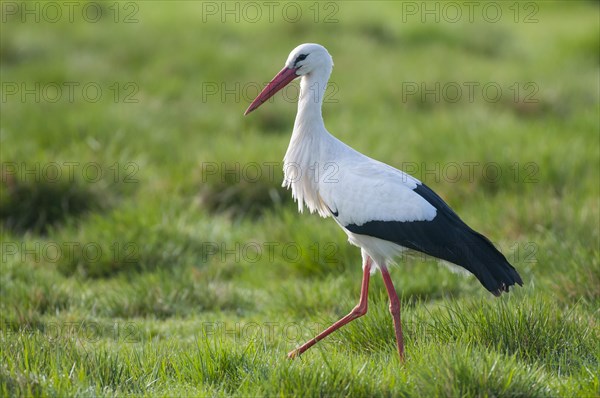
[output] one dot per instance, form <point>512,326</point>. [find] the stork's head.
<point>303,60</point>
<point>308,57</point>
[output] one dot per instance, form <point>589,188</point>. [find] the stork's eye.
<point>300,57</point>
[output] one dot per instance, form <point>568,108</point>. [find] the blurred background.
<point>135,193</point>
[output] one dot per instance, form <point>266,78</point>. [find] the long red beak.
<point>279,81</point>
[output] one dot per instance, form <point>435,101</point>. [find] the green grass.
<point>169,275</point>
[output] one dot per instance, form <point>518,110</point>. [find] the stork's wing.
<point>370,190</point>
<point>377,200</point>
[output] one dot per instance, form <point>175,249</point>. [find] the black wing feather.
<point>447,237</point>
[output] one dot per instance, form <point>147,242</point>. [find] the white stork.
<point>382,210</point>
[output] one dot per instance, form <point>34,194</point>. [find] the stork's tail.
<point>488,264</point>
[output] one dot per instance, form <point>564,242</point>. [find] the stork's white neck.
<point>309,118</point>
<point>303,157</point>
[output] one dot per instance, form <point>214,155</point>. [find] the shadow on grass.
<point>37,206</point>
<point>239,194</point>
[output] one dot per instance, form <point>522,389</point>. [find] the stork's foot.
<point>293,354</point>
<point>358,311</point>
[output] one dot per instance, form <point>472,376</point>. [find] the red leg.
<point>395,310</point>
<point>358,311</point>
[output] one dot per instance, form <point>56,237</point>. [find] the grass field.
<point>148,249</point>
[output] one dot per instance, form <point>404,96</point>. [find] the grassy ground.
<point>147,248</point>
